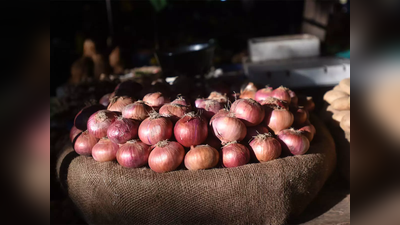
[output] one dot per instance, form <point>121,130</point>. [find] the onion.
<point>180,100</point>
<point>73,133</point>
<point>278,119</point>
<point>234,155</point>
<point>117,104</point>
<point>249,111</point>
<point>105,100</point>
<point>229,128</point>
<point>294,100</point>
<point>122,130</point>
<point>155,99</point>
<point>221,98</point>
<point>220,113</point>
<point>105,150</point>
<point>199,102</point>
<point>82,117</point>
<point>263,94</point>
<point>99,122</point>
<point>166,156</point>
<point>191,129</point>
<point>248,87</point>
<point>248,95</point>
<point>274,102</point>
<point>201,157</point>
<point>173,111</point>
<point>133,154</point>
<point>155,129</point>
<point>265,147</point>
<point>209,108</point>
<point>84,143</point>
<point>254,131</point>
<point>282,93</point>
<point>137,111</point>
<point>308,131</point>
<point>293,141</point>
<point>300,116</point>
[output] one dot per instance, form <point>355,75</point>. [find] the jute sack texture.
<point>260,193</point>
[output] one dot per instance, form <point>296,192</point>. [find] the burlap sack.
<point>261,193</point>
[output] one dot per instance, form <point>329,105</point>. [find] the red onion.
<point>180,100</point>
<point>173,111</point>
<point>293,141</point>
<point>133,154</point>
<point>220,113</point>
<point>105,150</point>
<point>254,131</point>
<point>166,156</point>
<point>155,100</point>
<point>221,98</point>
<point>105,100</point>
<point>234,155</point>
<point>82,117</point>
<point>209,108</point>
<point>137,111</point>
<point>308,131</point>
<point>84,143</point>
<point>229,128</point>
<point>294,100</point>
<point>263,94</point>
<point>278,119</point>
<point>274,102</point>
<point>122,130</point>
<point>282,93</point>
<point>249,111</point>
<point>300,116</point>
<point>155,129</point>
<point>99,122</point>
<point>191,129</point>
<point>73,133</point>
<point>249,87</point>
<point>199,102</point>
<point>265,147</point>
<point>248,95</point>
<point>117,104</point>
<point>201,157</point>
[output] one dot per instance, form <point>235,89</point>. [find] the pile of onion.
<point>166,156</point>
<point>117,104</point>
<point>249,111</point>
<point>105,150</point>
<point>191,129</point>
<point>228,128</point>
<point>173,111</point>
<point>265,147</point>
<point>293,141</point>
<point>133,154</point>
<point>99,122</point>
<point>155,129</point>
<point>122,130</point>
<point>137,111</point>
<point>84,143</point>
<point>201,157</point>
<point>234,155</point>
<point>278,119</point>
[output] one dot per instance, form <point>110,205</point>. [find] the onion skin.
<point>137,111</point>
<point>117,104</point>
<point>294,142</point>
<point>221,98</point>
<point>99,122</point>
<point>84,143</point>
<point>274,102</point>
<point>82,117</point>
<point>209,108</point>
<point>166,156</point>
<point>220,113</point>
<point>73,133</point>
<point>133,154</point>
<point>155,129</point>
<point>229,128</point>
<point>249,111</point>
<point>122,130</point>
<point>173,111</point>
<point>234,155</point>
<point>199,101</point>
<point>263,94</point>
<point>282,93</point>
<point>105,150</point>
<point>201,157</point>
<point>254,131</point>
<point>155,100</point>
<point>265,147</point>
<point>105,100</point>
<point>180,100</point>
<point>247,95</point>
<point>308,131</point>
<point>278,119</point>
<point>191,130</point>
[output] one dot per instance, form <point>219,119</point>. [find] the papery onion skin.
<point>263,94</point>
<point>155,100</point>
<point>122,130</point>
<point>105,150</point>
<point>234,155</point>
<point>229,128</point>
<point>221,98</point>
<point>166,156</point>
<point>133,154</point>
<point>282,93</point>
<point>105,100</point>
<point>265,147</point>
<point>155,128</point>
<point>201,157</point>
<point>137,111</point>
<point>254,131</point>
<point>274,102</point>
<point>180,100</point>
<point>83,116</point>
<point>294,142</point>
<point>199,101</point>
<point>191,129</point>
<point>117,104</point>
<point>209,108</point>
<point>278,119</point>
<point>249,111</point>
<point>73,133</point>
<point>308,131</point>
<point>84,143</point>
<point>99,122</point>
<point>220,113</point>
<point>247,95</point>
<point>173,111</point>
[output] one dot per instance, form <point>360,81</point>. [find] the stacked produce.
<point>259,126</point>
<point>339,100</point>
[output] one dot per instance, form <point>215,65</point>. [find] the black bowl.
<point>190,60</point>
